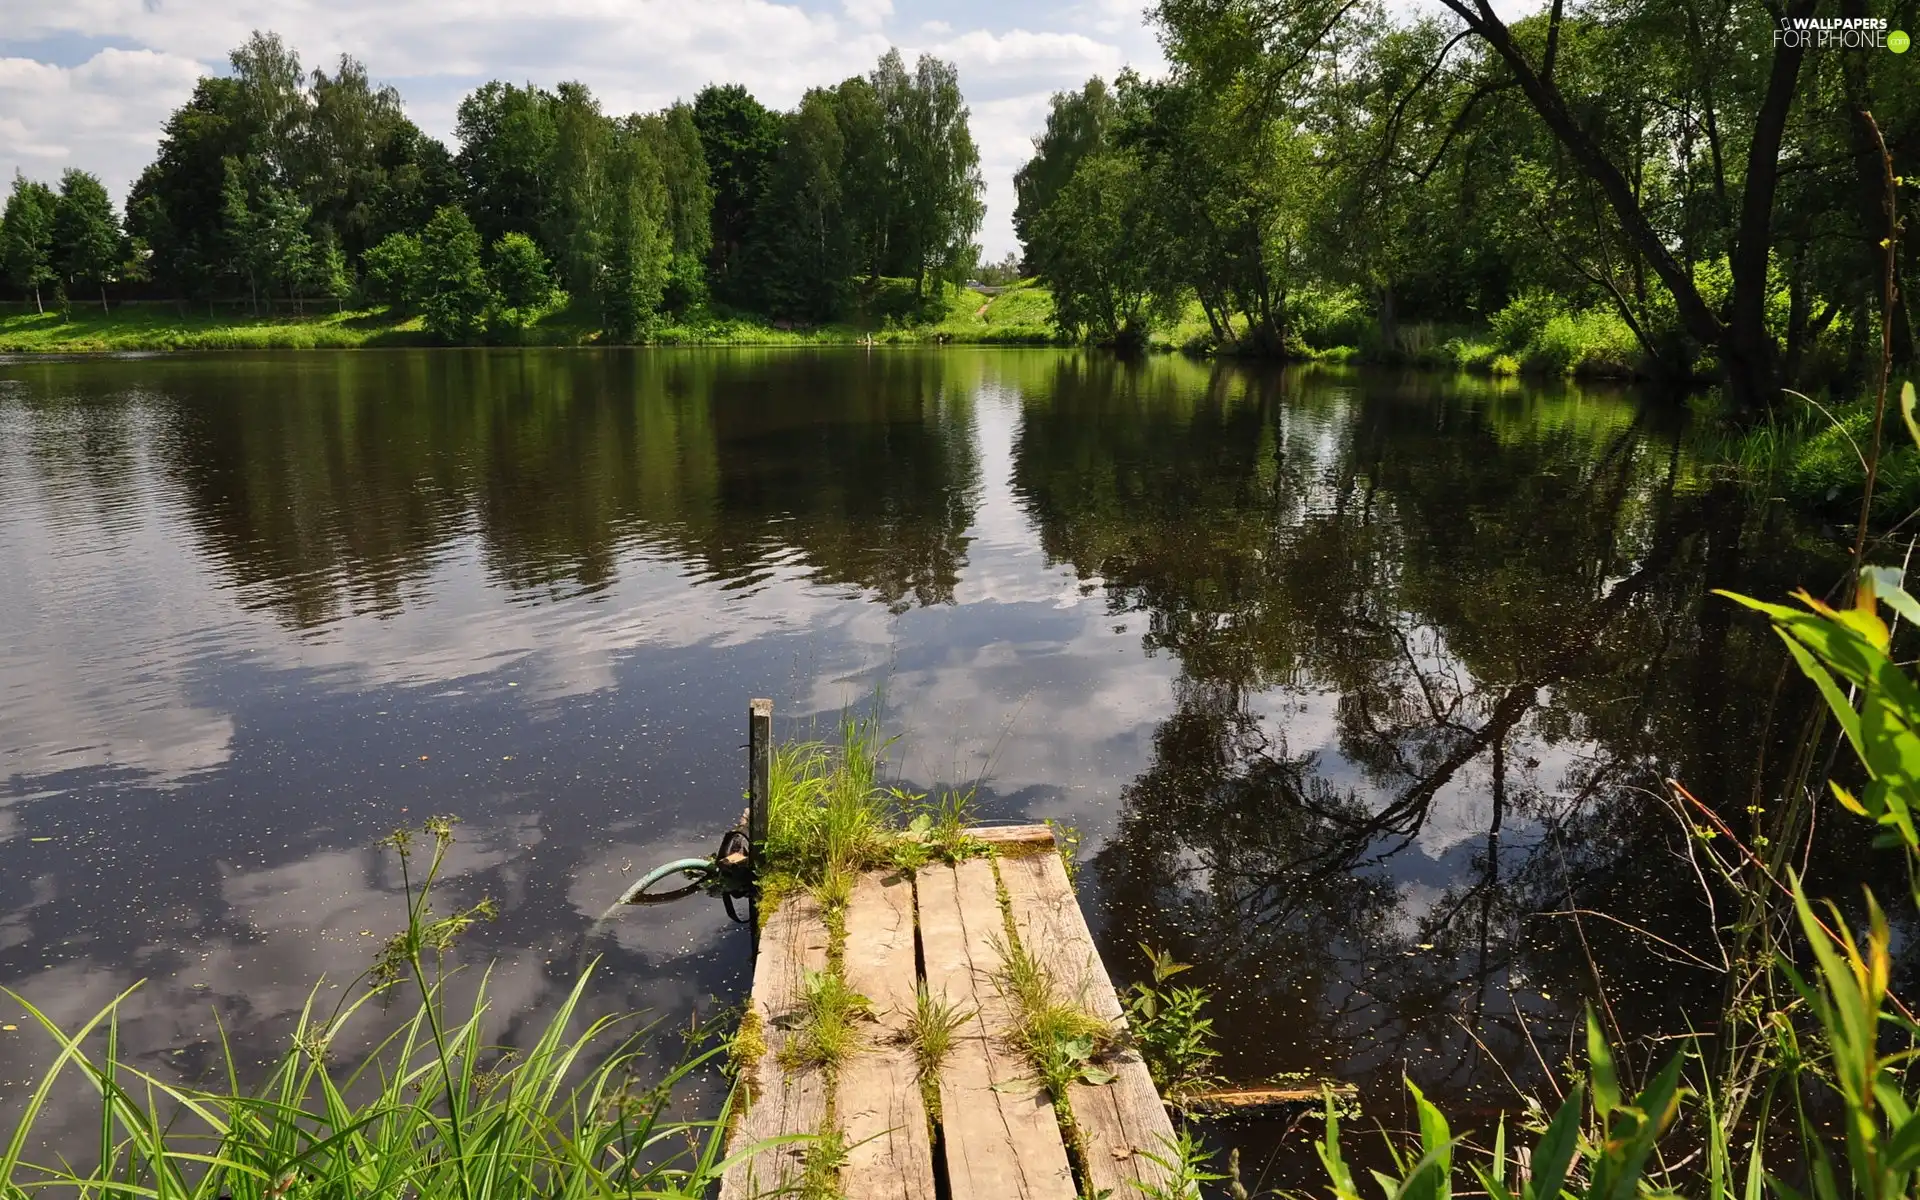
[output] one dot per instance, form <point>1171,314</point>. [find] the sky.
<point>88,83</point>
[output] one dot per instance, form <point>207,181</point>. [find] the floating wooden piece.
<point>1249,1101</point>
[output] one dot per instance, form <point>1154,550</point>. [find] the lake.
<point>1360,688</point>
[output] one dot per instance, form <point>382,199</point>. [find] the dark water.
<point>1356,685</point>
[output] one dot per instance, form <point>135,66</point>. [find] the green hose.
<point>699,869</point>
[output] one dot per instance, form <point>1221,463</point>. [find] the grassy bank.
<point>1019,316</point>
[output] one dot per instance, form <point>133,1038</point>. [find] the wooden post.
<point>759,768</point>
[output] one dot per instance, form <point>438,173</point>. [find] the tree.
<point>272,106</point>
<point>866,203</point>
<point>638,241</point>
<point>86,232</point>
<point>683,168</point>
<point>1076,127</point>
<point>326,273</point>
<point>740,138</point>
<point>802,249</point>
<point>179,203</point>
<point>26,237</point>
<point>1093,242</point>
<point>393,271</point>
<point>507,140</point>
<point>455,296</point>
<point>239,247</point>
<point>935,168</point>
<point>521,275</point>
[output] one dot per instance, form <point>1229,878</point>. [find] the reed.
<point>432,1111</point>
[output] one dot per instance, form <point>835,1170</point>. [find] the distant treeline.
<point>285,186</point>
<point>1656,180</point>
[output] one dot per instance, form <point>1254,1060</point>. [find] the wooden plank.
<point>1011,835</point>
<point>1253,1101</point>
<point>1015,839</point>
<point>889,1151</point>
<point>794,941</point>
<point>997,1145</point>
<point>1120,1119</point>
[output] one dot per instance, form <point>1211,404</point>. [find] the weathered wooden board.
<point>1013,835</point>
<point>877,1097</point>
<point>794,941</point>
<point>1118,1120</point>
<point>998,1144</point>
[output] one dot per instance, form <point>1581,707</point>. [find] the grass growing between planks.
<point>432,1112</point>
<point>1060,1039</point>
<point>930,1033</point>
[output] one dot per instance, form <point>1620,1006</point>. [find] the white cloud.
<point>867,13</point>
<point>105,113</point>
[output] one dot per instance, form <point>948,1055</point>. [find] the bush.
<point>1321,318</point>
<point>1524,317</point>
<point>456,294</point>
<point>392,271</point>
<point>522,277</point>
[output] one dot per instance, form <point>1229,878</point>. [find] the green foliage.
<point>393,271</point>
<point>634,240</point>
<point>740,137</point>
<point>26,237</point>
<point>521,277</point>
<point>1077,124</point>
<point>434,1111</point>
<point>826,1033</point>
<point>827,810</point>
<point>1165,1022</point>
<point>1184,1161</point>
<point>86,232</point>
<point>1090,245</point>
<point>932,182</point>
<point>454,292</point>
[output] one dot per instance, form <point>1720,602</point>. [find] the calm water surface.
<point>1356,685</point>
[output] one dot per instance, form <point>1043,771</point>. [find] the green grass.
<point>827,1033</point>
<point>930,1030</point>
<point>162,327</point>
<point>432,1112</point>
<point>1019,316</point>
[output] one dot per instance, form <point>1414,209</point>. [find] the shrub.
<point>521,276</point>
<point>392,271</point>
<point>1522,320</point>
<point>456,294</point>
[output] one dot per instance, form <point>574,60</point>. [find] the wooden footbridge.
<point>997,1133</point>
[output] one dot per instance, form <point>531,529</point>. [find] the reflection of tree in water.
<point>323,490</point>
<point>1437,650</point>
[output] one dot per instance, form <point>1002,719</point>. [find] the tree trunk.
<point>37,305</point>
<point>103,300</point>
<point>1749,349</point>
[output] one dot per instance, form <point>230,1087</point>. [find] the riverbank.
<point>1019,315</point>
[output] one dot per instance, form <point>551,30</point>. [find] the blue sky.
<point>88,82</point>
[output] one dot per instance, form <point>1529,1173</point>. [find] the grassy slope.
<point>1021,315</point>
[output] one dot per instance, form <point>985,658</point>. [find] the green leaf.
<point>1554,1154</point>
<point>1606,1085</point>
<point>1906,411</point>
